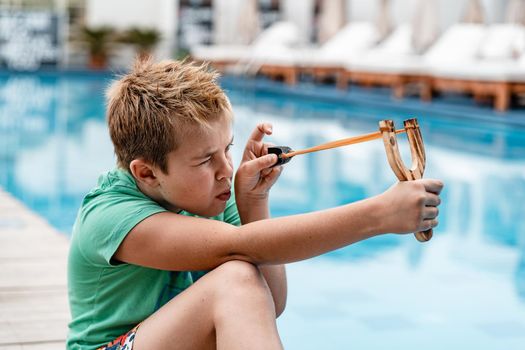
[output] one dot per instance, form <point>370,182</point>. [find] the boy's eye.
<point>206,161</point>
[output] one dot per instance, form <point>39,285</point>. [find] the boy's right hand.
<point>255,175</point>
<point>410,206</point>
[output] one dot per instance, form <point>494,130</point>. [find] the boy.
<point>148,269</point>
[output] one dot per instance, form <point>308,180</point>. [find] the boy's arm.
<point>176,242</point>
<point>275,275</point>
<point>253,181</point>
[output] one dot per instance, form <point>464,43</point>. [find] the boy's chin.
<point>216,212</point>
<point>211,211</point>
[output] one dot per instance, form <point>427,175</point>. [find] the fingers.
<point>273,175</point>
<point>266,172</point>
<point>428,224</point>
<point>430,213</point>
<point>432,185</point>
<point>261,130</point>
<point>432,200</point>
<point>257,165</point>
<point>428,203</point>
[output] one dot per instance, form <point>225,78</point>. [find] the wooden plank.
<point>33,305</point>
<point>34,310</point>
<point>37,272</point>
<point>50,330</point>
<point>34,346</point>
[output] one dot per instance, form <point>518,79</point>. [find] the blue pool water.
<point>464,289</point>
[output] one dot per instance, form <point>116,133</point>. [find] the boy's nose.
<point>226,170</point>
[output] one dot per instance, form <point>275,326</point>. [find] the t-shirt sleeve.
<point>231,214</point>
<point>107,220</point>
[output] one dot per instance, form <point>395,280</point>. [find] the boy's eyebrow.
<point>210,153</point>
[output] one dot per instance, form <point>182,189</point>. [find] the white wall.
<point>123,14</point>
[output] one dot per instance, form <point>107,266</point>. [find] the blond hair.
<point>148,108</point>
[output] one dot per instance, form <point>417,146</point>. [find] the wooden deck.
<point>34,309</point>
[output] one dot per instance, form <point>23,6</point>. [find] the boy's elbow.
<point>280,297</point>
<point>280,305</point>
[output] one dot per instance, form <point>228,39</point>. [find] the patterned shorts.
<point>124,342</point>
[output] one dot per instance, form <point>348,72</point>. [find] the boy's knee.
<point>239,273</point>
<point>240,281</point>
<point>241,284</point>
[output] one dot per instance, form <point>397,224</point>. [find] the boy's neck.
<point>155,196</point>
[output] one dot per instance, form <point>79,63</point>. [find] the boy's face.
<point>200,170</point>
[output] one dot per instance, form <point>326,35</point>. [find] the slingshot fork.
<point>417,150</point>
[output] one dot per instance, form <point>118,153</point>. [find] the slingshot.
<point>388,133</point>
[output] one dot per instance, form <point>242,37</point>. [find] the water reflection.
<point>54,142</point>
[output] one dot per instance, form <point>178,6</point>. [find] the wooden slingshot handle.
<point>417,150</point>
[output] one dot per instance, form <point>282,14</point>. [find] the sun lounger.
<point>493,71</point>
<point>352,40</point>
<point>391,63</point>
<point>395,63</point>
<point>222,56</point>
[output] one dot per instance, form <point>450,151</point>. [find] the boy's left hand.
<point>255,176</point>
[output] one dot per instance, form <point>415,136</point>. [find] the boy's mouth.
<point>224,196</point>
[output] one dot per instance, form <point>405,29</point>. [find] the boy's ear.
<point>143,172</point>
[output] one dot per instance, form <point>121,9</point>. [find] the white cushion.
<point>460,43</point>
<point>353,38</point>
<point>279,33</point>
<point>399,42</point>
<point>272,43</point>
<point>503,42</point>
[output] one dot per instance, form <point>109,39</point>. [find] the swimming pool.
<point>463,289</point>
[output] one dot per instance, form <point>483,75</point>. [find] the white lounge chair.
<point>491,71</point>
<point>351,41</point>
<point>391,63</point>
<point>395,63</point>
<point>280,33</point>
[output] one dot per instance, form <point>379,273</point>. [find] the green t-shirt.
<point>107,299</point>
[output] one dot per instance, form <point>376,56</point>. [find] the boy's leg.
<point>230,307</point>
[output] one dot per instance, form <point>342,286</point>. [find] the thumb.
<point>256,165</point>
